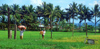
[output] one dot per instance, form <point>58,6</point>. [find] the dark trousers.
<point>42,36</point>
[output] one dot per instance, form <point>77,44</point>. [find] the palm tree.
<point>39,12</point>
<point>96,13</point>
<point>65,16</point>
<point>46,9</point>
<point>57,15</point>
<point>24,12</point>
<point>30,15</point>
<point>27,14</point>
<point>15,12</point>
<point>6,11</point>
<point>73,12</point>
<point>80,12</point>
<point>50,13</point>
<point>85,13</point>
<point>69,13</point>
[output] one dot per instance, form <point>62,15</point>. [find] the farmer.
<point>22,29</point>
<point>42,33</point>
<point>21,33</point>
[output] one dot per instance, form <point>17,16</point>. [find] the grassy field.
<point>61,40</point>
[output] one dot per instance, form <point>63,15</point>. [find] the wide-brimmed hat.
<point>22,27</point>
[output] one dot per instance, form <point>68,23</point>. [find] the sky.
<point>62,3</point>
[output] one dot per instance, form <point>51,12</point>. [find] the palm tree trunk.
<point>51,27</point>
<point>44,22</point>
<point>86,27</point>
<point>40,23</point>
<point>15,31</point>
<point>69,24</point>
<point>2,27</point>
<point>8,24</point>
<point>95,24</point>
<point>69,21</point>
<point>57,27</point>
<point>80,26</point>
<point>73,28</point>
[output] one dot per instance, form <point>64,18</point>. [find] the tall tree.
<point>40,11</point>
<point>85,14</point>
<point>8,22</point>
<point>6,11</point>
<point>31,16</point>
<point>73,11</point>
<point>24,15</point>
<point>15,12</point>
<point>57,15</point>
<point>50,12</point>
<point>80,12</point>
<point>96,14</point>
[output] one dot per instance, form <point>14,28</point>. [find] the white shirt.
<point>21,33</point>
<point>44,32</point>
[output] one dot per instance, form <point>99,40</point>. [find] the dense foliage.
<point>47,15</point>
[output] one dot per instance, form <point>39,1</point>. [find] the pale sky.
<point>62,3</point>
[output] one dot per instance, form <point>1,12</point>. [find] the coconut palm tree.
<point>85,14</point>
<point>15,12</point>
<point>96,14</point>
<point>40,11</point>
<point>57,15</point>
<point>31,16</point>
<point>73,12</point>
<point>23,12</point>
<point>65,16</point>
<point>80,12</point>
<point>50,13</point>
<point>6,11</point>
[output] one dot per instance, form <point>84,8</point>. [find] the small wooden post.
<point>11,34</point>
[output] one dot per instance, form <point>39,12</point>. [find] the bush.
<point>99,29</point>
<point>89,28</point>
<point>61,30</point>
<point>6,28</point>
<point>55,29</point>
<point>65,30</point>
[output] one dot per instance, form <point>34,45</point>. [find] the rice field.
<point>60,40</point>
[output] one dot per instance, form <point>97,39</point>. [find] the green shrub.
<point>99,29</point>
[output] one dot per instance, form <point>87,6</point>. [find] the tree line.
<point>46,14</point>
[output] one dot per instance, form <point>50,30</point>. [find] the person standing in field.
<point>22,28</point>
<point>21,33</point>
<point>42,33</point>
